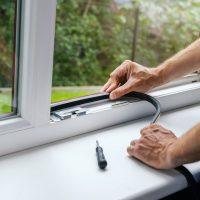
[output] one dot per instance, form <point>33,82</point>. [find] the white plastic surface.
<point>67,170</point>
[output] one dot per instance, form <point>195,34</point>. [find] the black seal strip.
<point>103,96</point>
<point>192,183</point>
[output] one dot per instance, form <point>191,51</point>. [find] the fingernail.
<point>112,96</point>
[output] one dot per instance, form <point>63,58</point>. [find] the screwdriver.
<point>102,163</point>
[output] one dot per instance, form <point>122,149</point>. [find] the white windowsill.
<point>68,169</point>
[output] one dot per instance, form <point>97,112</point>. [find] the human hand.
<point>155,147</point>
<point>128,77</point>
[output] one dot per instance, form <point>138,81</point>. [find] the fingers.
<point>106,86</point>
<point>153,128</point>
<point>149,129</point>
<point>111,84</point>
<point>152,147</point>
<point>158,131</point>
<point>116,91</point>
<point>118,76</point>
<point>139,150</point>
<point>122,90</point>
<point>112,87</point>
<point>145,151</point>
<point>130,148</point>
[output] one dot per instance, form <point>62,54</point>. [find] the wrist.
<point>157,74</point>
<point>174,155</point>
<point>164,72</point>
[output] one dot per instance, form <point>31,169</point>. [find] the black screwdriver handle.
<point>101,158</point>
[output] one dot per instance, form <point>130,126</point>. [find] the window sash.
<point>36,60</point>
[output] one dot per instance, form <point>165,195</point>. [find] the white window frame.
<point>32,126</point>
<point>36,63</point>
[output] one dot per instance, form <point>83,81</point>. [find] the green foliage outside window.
<point>7,15</point>
<point>7,21</point>
<point>93,37</point>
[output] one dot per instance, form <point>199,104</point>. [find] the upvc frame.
<point>37,60</point>
<point>36,65</point>
<point>32,126</point>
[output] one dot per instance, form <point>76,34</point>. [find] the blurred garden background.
<point>94,36</point>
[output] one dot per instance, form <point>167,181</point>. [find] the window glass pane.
<point>93,37</point>
<point>7,56</point>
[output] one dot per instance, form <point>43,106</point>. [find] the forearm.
<point>184,62</point>
<point>187,148</point>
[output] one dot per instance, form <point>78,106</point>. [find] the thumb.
<point>120,91</point>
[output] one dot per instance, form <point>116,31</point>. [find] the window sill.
<point>13,124</point>
<point>59,170</point>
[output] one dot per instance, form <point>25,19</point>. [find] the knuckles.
<point>128,62</point>
<point>138,147</point>
<point>112,75</point>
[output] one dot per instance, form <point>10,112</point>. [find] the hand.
<point>130,76</point>
<point>155,147</point>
